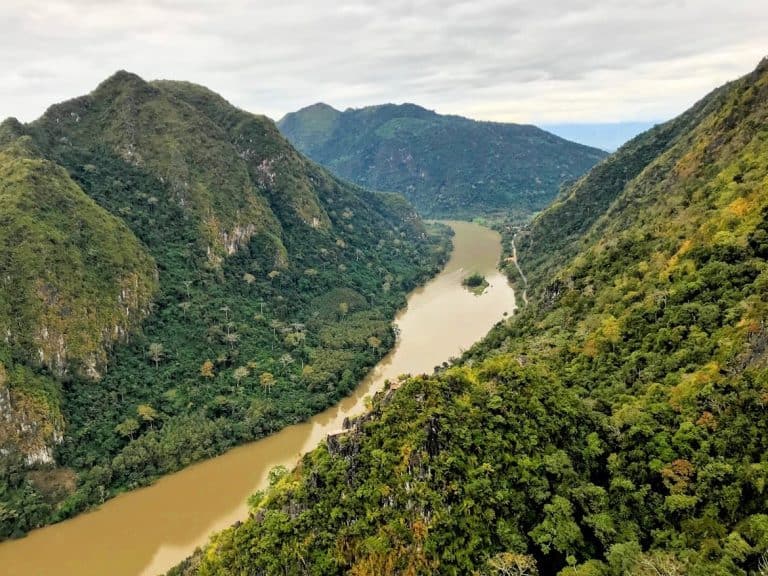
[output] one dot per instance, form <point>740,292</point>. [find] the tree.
<point>511,564</point>
<point>343,308</point>
<point>147,414</point>
<point>185,307</point>
<point>156,352</point>
<point>374,343</point>
<point>240,373</point>
<point>611,331</point>
<point>249,278</point>
<point>558,530</point>
<point>275,324</point>
<point>294,339</point>
<point>127,428</point>
<point>286,360</point>
<point>307,371</point>
<point>276,474</point>
<point>206,370</point>
<point>231,338</point>
<point>267,380</point>
<point>658,564</point>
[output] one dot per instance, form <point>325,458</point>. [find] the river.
<point>149,530</point>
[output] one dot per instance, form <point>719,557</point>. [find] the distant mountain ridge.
<point>445,165</point>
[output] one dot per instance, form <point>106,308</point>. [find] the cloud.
<point>513,60</point>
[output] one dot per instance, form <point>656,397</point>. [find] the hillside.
<point>616,426</point>
<point>445,165</point>
<point>185,281</point>
<point>75,280</point>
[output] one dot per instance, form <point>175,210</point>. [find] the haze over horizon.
<point>549,63</point>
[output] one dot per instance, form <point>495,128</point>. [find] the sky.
<point>542,62</point>
<point>605,135</point>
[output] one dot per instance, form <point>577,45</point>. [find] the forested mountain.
<point>175,279</point>
<point>616,426</point>
<point>445,165</point>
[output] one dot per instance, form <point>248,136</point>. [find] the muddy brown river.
<point>149,530</point>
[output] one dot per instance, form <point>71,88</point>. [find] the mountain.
<point>445,165</point>
<point>615,426</point>
<point>75,280</point>
<point>176,279</point>
<point>604,135</point>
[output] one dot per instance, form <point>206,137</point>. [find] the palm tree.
<point>267,380</point>
<point>374,343</point>
<point>239,374</point>
<point>231,339</point>
<point>184,307</point>
<point>156,351</point>
<point>286,360</point>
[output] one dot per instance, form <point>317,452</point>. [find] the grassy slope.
<point>446,165</point>
<point>267,265</point>
<point>615,427</point>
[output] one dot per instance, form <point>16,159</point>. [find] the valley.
<point>177,280</point>
<point>149,530</point>
<point>615,426</point>
<point>388,338</point>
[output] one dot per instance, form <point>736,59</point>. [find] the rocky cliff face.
<point>30,422</point>
<point>74,281</point>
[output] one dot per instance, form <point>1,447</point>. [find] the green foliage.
<point>445,165</point>
<point>475,283</point>
<point>616,426</point>
<point>73,277</point>
<point>474,280</point>
<point>169,179</point>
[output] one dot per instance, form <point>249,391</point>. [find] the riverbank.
<point>149,530</point>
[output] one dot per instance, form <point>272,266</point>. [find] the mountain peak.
<point>122,77</point>
<point>315,121</point>
<point>122,82</point>
<point>10,129</point>
<point>319,107</point>
<point>762,67</point>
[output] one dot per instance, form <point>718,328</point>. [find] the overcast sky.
<point>539,61</point>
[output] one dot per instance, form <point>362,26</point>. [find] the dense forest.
<point>447,166</point>
<point>176,279</point>
<point>616,426</point>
